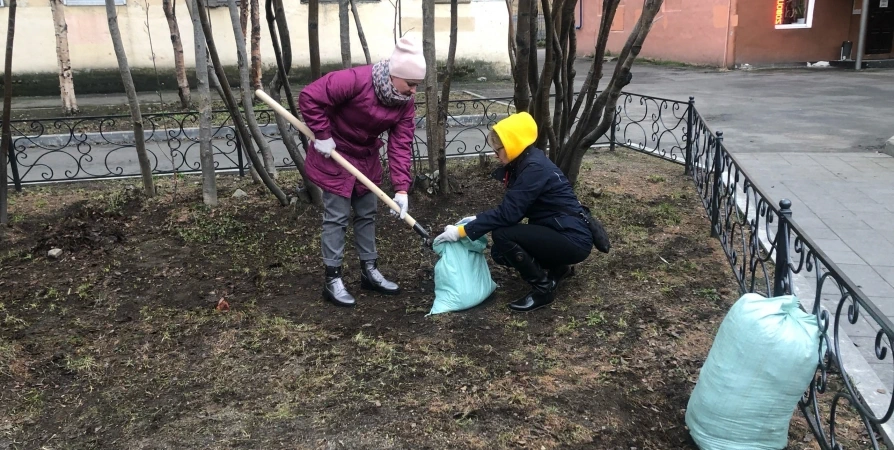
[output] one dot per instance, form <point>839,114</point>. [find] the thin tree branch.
<point>511,38</point>
<point>443,181</point>
<point>233,106</point>
<point>591,84</point>
<point>360,34</point>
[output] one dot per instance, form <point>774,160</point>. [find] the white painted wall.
<point>482,34</point>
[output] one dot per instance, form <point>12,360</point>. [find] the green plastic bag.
<point>462,278</point>
<point>763,359</point>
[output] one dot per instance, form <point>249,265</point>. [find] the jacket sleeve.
<point>515,204</point>
<point>400,149</point>
<point>331,90</point>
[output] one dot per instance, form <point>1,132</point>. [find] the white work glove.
<point>467,220</point>
<point>325,146</point>
<point>403,202</point>
<point>450,234</point>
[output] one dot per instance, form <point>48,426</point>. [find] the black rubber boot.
<point>373,280</point>
<point>543,289</point>
<point>334,290</point>
<point>561,273</point>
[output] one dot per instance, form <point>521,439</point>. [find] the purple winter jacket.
<point>343,105</point>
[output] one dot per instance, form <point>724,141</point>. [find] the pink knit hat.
<point>407,61</point>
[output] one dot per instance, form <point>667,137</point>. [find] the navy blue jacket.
<point>539,191</point>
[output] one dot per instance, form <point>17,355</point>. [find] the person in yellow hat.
<point>543,250</point>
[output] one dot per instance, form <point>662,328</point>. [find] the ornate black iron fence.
<point>71,149</point>
<point>84,148</point>
<point>767,250</point>
<point>651,125</point>
<point>772,255</point>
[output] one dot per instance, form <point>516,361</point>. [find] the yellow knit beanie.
<point>516,132</point>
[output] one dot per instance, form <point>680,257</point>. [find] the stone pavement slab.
<point>842,201</point>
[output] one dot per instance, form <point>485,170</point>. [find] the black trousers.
<point>547,246</point>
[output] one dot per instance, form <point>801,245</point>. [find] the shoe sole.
<point>529,310</point>
<point>371,287</point>
<point>332,300</point>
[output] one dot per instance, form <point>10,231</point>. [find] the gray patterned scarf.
<point>385,90</point>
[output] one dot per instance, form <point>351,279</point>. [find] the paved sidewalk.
<point>845,203</point>
<point>814,137</point>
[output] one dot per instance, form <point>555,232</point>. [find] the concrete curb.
<point>888,149</point>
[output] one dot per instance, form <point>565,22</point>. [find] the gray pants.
<point>336,210</point>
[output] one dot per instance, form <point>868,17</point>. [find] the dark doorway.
<point>880,27</point>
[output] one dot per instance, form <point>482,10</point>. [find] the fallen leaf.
<point>222,305</point>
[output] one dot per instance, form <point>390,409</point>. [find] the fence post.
<point>15,167</point>
<point>780,276</point>
<point>239,154</point>
<point>715,194</point>
<point>689,135</point>
<point>611,134</point>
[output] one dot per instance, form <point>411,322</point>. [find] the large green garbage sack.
<point>762,360</point>
<point>462,278</point>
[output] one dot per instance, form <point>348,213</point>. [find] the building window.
<point>793,14</point>
<point>2,3</point>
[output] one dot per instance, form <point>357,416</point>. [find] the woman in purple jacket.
<point>348,110</point>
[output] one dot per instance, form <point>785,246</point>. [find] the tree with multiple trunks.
<point>570,124</point>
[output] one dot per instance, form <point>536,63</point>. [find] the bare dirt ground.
<point>120,343</point>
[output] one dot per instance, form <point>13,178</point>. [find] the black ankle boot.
<point>372,279</point>
<point>334,290</point>
<point>543,288</point>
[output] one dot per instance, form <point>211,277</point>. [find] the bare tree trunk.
<point>6,138</point>
<point>206,152</point>
<point>244,12</point>
<point>600,114</point>
<point>344,33</point>
<point>541,94</point>
<point>281,80</point>
<point>444,187</point>
<point>574,124</point>
<point>255,45</point>
<point>247,95</point>
<point>565,79</point>
<point>511,45</point>
<point>170,10</point>
<point>360,34</point>
<point>523,50</point>
<point>237,119</point>
<point>232,106</point>
<point>431,83</point>
<point>66,79</point>
<point>313,37</point>
<point>532,54</point>
<point>136,116</point>
<point>591,83</point>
